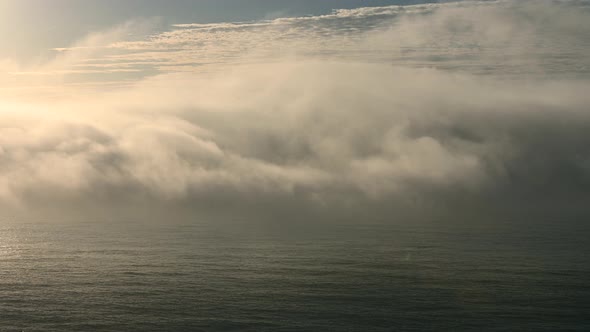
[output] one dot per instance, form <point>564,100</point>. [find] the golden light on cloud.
<point>278,110</point>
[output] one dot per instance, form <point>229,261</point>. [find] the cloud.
<point>525,36</point>
<point>330,136</point>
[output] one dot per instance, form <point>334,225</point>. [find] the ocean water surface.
<point>275,277</point>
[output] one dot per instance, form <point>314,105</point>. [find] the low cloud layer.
<point>445,111</point>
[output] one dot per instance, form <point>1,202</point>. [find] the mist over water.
<point>452,108</point>
<point>420,167</point>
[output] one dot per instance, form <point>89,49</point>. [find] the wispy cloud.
<point>474,36</point>
<point>474,33</point>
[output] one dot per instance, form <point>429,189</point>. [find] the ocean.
<point>275,277</point>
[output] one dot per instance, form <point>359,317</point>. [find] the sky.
<point>348,110</point>
<point>30,27</point>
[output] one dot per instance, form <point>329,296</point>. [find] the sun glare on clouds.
<point>360,110</point>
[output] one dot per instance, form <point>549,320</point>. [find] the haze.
<point>386,113</point>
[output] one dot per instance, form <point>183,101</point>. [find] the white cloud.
<point>336,129</point>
